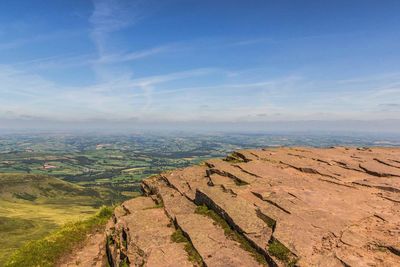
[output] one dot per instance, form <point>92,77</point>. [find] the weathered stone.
<point>304,206</point>
<point>142,237</point>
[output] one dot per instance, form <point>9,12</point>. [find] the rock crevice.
<point>268,207</point>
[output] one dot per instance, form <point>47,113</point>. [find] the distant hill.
<point>31,206</point>
<point>41,189</point>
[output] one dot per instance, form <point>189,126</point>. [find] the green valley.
<point>32,206</point>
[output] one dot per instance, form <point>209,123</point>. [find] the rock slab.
<point>276,206</point>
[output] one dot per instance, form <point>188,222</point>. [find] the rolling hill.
<point>31,206</point>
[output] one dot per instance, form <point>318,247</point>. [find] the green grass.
<point>32,206</point>
<point>8,224</point>
<point>25,196</point>
<point>44,189</point>
<point>123,263</point>
<point>278,250</point>
<point>231,234</point>
<point>23,222</point>
<point>46,251</point>
<point>16,231</point>
<point>193,255</point>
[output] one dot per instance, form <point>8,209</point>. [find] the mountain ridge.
<point>290,206</point>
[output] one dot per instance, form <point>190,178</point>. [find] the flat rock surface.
<point>292,206</point>
<point>91,253</point>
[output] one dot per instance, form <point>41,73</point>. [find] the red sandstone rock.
<point>303,206</point>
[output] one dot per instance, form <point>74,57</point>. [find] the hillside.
<point>277,207</point>
<point>42,189</point>
<point>32,206</point>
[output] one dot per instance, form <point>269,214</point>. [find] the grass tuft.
<point>231,234</point>
<point>193,255</point>
<point>278,250</point>
<point>124,263</point>
<point>47,251</point>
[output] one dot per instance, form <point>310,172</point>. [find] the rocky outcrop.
<point>268,207</point>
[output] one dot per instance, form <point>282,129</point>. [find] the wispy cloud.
<point>110,16</point>
<point>210,86</point>
<point>39,38</point>
<point>57,62</point>
<point>252,41</point>
<point>87,60</point>
<point>24,93</point>
<point>132,56</point>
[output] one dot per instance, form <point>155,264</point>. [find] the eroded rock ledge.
<point>275,206</point>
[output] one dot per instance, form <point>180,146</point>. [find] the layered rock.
<point>275,206</point>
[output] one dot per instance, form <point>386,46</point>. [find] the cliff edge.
<point>267,207</point>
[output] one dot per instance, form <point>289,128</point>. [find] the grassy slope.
<point>47,251</point>
<point>32,206</point>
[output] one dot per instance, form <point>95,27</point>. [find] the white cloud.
<point>24,94</point>
<point>131,56</point>
<point>109,16</point>
<point>38,38</point>
<point>158,98</point>
<point>203,94</point>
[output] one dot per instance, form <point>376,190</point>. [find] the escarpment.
<point>267,207</point>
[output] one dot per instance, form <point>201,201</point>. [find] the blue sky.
<point>193,61</point>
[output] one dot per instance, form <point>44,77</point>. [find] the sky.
<point>200,63</point>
